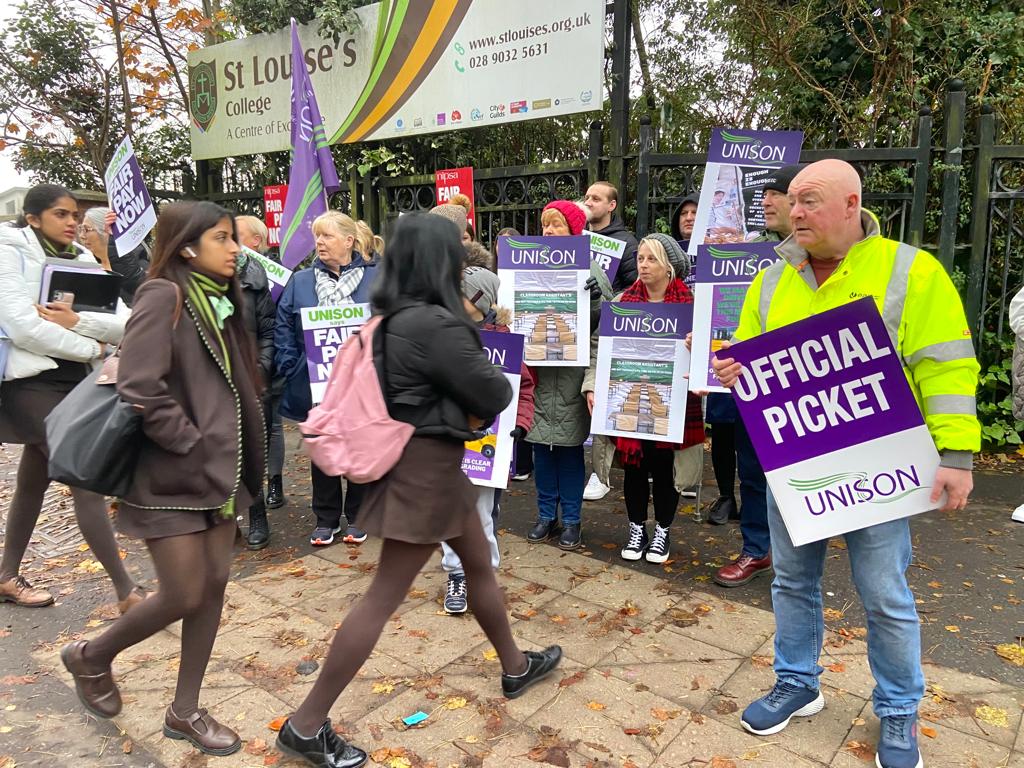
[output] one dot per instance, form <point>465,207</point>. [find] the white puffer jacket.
<point>34,341</point>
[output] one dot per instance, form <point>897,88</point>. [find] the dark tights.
<point>398,566</point>
<point>656,463</point>
<point>90,513</point>
<point>192,571</point>
<point>723,457</point>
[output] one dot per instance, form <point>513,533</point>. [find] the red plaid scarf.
<point>630,449</point>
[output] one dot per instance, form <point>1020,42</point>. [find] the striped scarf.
<point>214,307</point>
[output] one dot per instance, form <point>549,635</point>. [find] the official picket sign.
<point>324,330</point>
<point>449,182</point>
<point>405,69</point>
<point>129,199</point>
<point>640,384</point>
<point>739,162</point>
<point>834,422</point>
<point>274,196</point>
<point>542,282</point>
<point>277,275</point>
<point>487,460</point>
<point>607,252</point>
<point>723,273</point>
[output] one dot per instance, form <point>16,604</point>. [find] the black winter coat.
<point>259,314</point>
<point>132,267</point>
<point>436,372</point>
<point>627,273</point>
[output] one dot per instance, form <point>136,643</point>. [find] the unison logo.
<point>639,321</point>
<point>737,263</point>
<point>751,150</point>
<point>538,254</point>
<point>849,489</point>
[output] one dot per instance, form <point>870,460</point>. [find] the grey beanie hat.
<point>680,261</point>
<point>480,287</point>
<point>456,214</point>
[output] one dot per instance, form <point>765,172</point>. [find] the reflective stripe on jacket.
<point>922,312</point>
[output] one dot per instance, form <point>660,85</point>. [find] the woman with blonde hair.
<point>657,468</point>
<point>338,275</point>
<point>370,245</point>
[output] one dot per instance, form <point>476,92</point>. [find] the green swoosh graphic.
<point>521,244</point>
<point>718,253</point>
<point>623,312</point>
<point>816,484</point>
<point>732,138</point>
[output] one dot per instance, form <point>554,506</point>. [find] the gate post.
<point>981,223</point>
<point>596,150</point>
<point>922,166</point>
<point>620,95</point>
<point>953,158</point>
<point>643,179</point>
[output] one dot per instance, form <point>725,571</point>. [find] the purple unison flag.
<point>312,176</point>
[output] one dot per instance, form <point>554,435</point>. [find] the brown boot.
<point>20,592</point>
<point>97,691</point>
<point>742,570</point>
<point>203,732</point>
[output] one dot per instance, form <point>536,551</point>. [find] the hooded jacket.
<point>259,314</point>
<point>627,273</point>
<point>37,344</point>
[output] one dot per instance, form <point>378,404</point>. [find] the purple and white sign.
<point>129,199</point>
<point>542,282</point>
<point>324,330</point>
<point>833,420</point>
<point>277,274</point>
<point>487,461</point>
<point>739,162</point>
<point>723,274</point>
<point>640,382</point>
<point>607,252</point>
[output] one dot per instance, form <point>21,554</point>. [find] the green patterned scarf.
<point>209,297</point>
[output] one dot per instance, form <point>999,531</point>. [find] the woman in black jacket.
<point>435,376</point>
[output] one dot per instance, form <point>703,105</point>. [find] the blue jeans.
<point>560,473</point>
<point>753,504</point>
<point>879,558</point>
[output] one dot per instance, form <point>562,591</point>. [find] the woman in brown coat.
<point>188,365</point>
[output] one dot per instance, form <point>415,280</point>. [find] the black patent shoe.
<point>259,527</point>
<point>722,510</point>
<point>325,750</point>
<point>275,492</point>
<point>538,666</point>
<point>543,530</point>
<point>571,538</point>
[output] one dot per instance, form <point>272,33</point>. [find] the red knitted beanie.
<point>572,213</point>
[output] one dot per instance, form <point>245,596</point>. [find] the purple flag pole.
<point>312,176</point>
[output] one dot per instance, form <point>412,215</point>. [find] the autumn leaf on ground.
<point>271,758</point>
<point>860,750</point>
<point>18,680</point>
<point>276,724</point>
<point>490,655</point>
<point>126,746</point>
<point>1012,652</point>
<point>992,716</point>
<point>555,755</point>
<point>629,609</point>
<point>392,757</point>
<point>455,702</point>
<point>6,761</point>
<point>837,667</point>
<point>832,614</point>
<point>420,633</point>
<point>383,687</point>
<point>597,706</point>
<point>415,594</point>
<point>665,714</point>
<point>609,545</point>
<point>928,731</point>
<point>725,706</point>
<point>721,762</point>
<point>761,662</point>
<point>256,747</point>
<point>631,731</point>
<point>952,628</point>
<point>572,679</point>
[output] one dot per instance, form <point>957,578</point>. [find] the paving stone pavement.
<point>654,675</point>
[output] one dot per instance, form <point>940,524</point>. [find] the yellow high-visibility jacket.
<point>921,310</point>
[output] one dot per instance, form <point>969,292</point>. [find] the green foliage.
<point>995,396</point>
<point>336,17</point>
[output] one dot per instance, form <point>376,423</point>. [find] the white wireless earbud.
<point>191,254</point>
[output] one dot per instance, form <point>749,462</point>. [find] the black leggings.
<point>398,566</point>
<point>656,463</point>
<point>723,457</point>
<point>192,571</point>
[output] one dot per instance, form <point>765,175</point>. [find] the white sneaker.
<point>595,489</point>
<point>1017,516</point>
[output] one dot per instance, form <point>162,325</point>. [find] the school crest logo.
<point>202,85</point>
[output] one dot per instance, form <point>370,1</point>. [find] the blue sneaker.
<point>897,743</point>
<point>771,713</point>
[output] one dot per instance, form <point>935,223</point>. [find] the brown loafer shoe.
<point>136,596</point>
<point>202,732</point>
<point>20,592</point>
<point>97,691</point>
